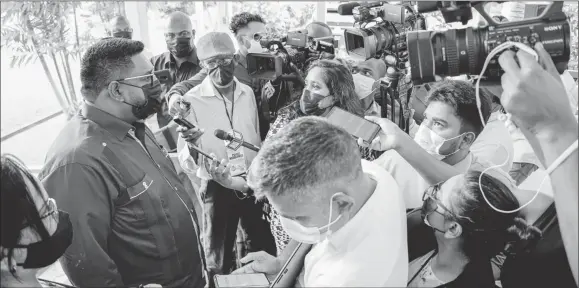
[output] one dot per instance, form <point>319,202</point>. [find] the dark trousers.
<point>223,210</point>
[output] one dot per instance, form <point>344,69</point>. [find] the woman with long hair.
<point>34,233</point>
<point>468,231</point>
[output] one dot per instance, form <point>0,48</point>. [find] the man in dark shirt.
<point>120,27</point>
<point>182,62</point>
<point>244,26</point>
<point>133,220</point>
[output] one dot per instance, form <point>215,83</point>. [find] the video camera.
<point>463,51</point>
<point>364,43</point>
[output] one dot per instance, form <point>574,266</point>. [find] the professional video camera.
<point>387,37</point>
<point>464,51</point>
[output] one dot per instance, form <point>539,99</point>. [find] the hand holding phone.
<point>354,124</point>
<point>187,130</point>
<point>390,136</point>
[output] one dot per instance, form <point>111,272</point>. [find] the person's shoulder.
<point>243,87</point>
<point>159,58</point>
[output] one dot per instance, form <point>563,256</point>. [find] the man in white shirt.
<point>451,125</point>
<point>222,102</point>
<point>350,209</point>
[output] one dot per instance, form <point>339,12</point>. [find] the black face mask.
<point>222,75</point>
<point>45,252</point>
<point>126,35</point>
<point>309,103</point>
<point>180,47</point>
<point>152,104</point>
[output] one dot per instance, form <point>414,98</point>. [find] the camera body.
<point>463,51</point>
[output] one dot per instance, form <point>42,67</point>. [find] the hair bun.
<point>521,236</point>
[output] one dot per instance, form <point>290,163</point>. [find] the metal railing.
<point>30,126</point>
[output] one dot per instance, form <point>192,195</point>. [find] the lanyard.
<point>229,117</point>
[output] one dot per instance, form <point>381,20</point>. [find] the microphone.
<point>347,8</point>
<point>228,137</point>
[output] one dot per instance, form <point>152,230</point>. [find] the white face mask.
<point>255,47</point>
<point>309,235</point>
<point>432,142</point>
<point>364,85</point>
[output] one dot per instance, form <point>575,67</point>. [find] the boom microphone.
<point>228,137</point>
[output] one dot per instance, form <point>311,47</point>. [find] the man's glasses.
<point>182,34</point>
<point>212,64</point>
<point>151,76</point>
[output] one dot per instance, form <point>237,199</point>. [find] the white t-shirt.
<point>495,144</point>
<point>410,182</point>
<point>371,249</point>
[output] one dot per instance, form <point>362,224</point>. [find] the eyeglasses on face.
<point>151,76</point>
<point>214,63</point>
<point>430,202</point>
<point>117,30</point>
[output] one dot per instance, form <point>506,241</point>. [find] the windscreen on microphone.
<point>223,135</point>
<point>347,8</point>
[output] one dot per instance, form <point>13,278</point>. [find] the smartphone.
<point>183,122</point>
<point>163,75</point>
<point>242,280</point>
<point>354,124</point>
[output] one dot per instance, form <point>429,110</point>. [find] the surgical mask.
<point>309,103</point>
<point>123,34</point>
<point>255,47</point>
<point>180,47</point>
<point>152,104</point>
<point>45,252</point>
<point>364,85</point>
<point>222,75</point>
<point>432,142</point>
<point>309,235</point>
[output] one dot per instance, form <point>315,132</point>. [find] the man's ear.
<point>454,230</point>
<point>467,140</point>
<point>115,91</point>
<point>345,202</point>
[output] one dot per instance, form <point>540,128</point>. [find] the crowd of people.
<point>438,205</point>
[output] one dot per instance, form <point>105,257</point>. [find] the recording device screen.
<point>354,124</point>
<point>163,75</point>
<point>241,280</point>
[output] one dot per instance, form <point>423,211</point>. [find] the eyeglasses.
<point>182,34</point>
<point>430,203</point>
<point>214,63</point>
<point>152,76</point>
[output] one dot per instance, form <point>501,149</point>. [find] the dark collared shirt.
<point>179,73</point>
<point>133,220</point>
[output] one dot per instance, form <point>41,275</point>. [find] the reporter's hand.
<point>220,173</point>
<point>389,137</point>
<point>533,93</point>
<point>190,135</point>
<point>175,105</point>
<point>259,262</point>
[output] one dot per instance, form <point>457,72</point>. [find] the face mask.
<point>46,252</point>
<point>255,47</point>
<point>432,142</point>
<point>308,235</point>
<point>222,75</point>
<point>309,103</point>
<point>428,224</point>
<point>152,104</point>
<point>126,35</point>
<point>364,85</point>
<point>180,47</point>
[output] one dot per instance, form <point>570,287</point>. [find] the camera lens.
<point>365,43</point>
<point>450,53</point>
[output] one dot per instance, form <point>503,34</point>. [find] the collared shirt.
<point>208,112</point>
<point>189,68</point>
<point>410,182</point>
<point>133,220</point>
<point>370,250</point>
<point>494,144</point>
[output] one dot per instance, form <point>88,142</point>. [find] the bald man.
<point>182,62</point>
<point>120,27</point>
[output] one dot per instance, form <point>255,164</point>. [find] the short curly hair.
<point>242,19</point>
<point>104,62</point>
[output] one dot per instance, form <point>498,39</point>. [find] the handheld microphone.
<point>228,137</point>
